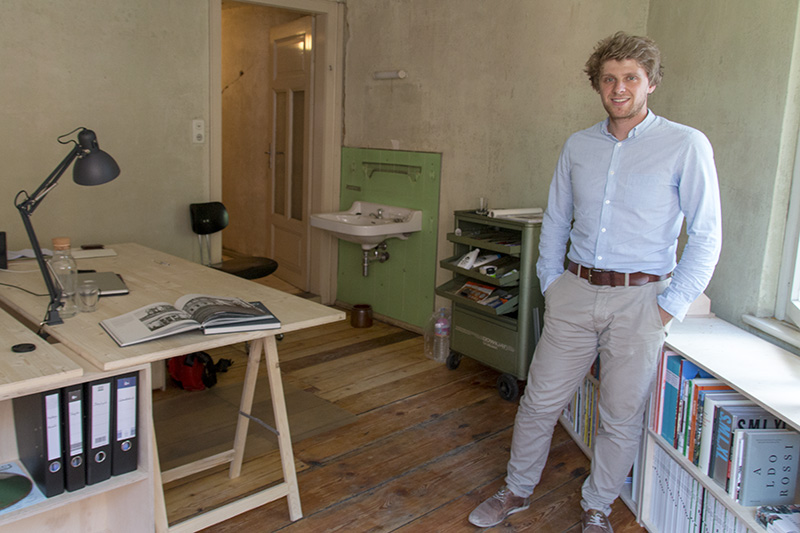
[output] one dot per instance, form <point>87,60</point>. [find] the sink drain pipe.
<point>378,253</point>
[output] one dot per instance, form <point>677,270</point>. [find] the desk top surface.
<point>22,373</point>
<point>153,276</point>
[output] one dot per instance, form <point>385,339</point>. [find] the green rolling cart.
<point>497,318</point>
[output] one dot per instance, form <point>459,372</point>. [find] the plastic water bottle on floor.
<point>437,336</point>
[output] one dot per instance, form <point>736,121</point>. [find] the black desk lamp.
<point>93,167</point>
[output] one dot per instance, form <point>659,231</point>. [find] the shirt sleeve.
<point>698,191</point>
<point>556,223</point>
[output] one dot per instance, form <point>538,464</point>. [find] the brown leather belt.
<point>614,279</point>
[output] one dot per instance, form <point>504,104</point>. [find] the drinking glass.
<point>88,294</point>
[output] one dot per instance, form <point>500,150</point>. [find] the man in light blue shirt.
<point>619,196</point>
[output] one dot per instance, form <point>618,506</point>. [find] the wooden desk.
<point>154,276</point>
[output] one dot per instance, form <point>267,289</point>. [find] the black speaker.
<point>3,253</point>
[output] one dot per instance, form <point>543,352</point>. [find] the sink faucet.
<point>379,215</point>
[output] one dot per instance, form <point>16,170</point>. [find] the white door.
<point>290,153</point>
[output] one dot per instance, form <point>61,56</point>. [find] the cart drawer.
<point>452,288</point>
<point>506,242</point>
<point>491,340</point>
<point>508,265</point>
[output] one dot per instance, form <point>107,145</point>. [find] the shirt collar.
<point>637,130</point>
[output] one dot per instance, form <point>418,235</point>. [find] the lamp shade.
<point>94,166</point>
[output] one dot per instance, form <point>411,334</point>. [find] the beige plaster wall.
<point>136,73</point>
<point>728,65</point>
<point>496,87</point>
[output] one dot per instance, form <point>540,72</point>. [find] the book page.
<point>147,323</point>
<point>207,309</point>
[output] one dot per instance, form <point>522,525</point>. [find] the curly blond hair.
<point>620,47</point>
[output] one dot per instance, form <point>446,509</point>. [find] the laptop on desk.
<point>110,283</point>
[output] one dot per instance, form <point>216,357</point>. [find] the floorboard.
<point>425,444</point>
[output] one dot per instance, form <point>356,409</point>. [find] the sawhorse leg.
<point>269,348</point>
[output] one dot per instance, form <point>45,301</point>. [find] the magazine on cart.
<point>211,314</point>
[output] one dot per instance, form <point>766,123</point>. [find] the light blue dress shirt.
<point>621,205</point>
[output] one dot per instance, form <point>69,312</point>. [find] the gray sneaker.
<point>595,521</point>
<point>498,508</point>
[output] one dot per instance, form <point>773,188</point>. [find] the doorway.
<point>239,165</point>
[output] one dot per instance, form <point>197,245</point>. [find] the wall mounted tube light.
<point>390,75</point>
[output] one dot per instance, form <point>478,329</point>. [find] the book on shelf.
<point>711,402</point>
<point>697,391</point>
<point>210,314</point>
<point>656,414</point>
<point>690,405</point>
<point>768,467</point>
<point>730,418</point>
<point>669,404</point>
<point>689,373</point>
<point>779,518</point>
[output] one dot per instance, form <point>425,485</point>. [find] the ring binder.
<point>74,453</point>
<point>98,430</point>
<point>37,418</point>
<point>125,449</point>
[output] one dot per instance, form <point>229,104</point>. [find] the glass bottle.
<point>66,271</point>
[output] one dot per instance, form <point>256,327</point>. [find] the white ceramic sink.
<point>369,224</point>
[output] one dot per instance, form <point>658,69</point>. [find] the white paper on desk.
<point>26,253</point>
<point>77,253</point>
<point>80,253</point>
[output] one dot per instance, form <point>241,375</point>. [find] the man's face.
<point>624,88</point>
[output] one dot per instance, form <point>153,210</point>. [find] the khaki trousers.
<point>623,326</point>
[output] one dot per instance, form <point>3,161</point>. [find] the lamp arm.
<point>26,207</point>
<point>32,201</point>
<point>52,316</point>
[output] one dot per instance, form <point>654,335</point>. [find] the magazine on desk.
<point>211,314</point>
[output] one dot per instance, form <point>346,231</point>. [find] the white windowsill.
<point>775,328</point>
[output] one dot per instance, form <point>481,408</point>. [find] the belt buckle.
<point>589,275</point>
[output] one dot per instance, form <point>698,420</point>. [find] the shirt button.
<point>603,230</point>
<point>619,144</point>
<point>608,202</point>
<point>599,257</point>
<point>611,173</point>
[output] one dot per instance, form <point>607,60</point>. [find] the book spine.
<point>722,448</point>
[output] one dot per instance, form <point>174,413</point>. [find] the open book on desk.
<point>211,314</point>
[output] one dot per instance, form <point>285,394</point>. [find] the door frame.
<point>326,128</point>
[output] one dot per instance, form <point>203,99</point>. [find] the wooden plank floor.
<point>427,446</point>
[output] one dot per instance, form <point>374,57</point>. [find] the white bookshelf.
<point>763,372</point>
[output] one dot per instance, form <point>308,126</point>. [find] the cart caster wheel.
<point>453,360</point>
<point>508,387</point>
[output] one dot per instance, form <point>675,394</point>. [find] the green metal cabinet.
<point>502,337</point>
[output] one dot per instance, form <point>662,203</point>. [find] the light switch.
<point>198,131</point>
